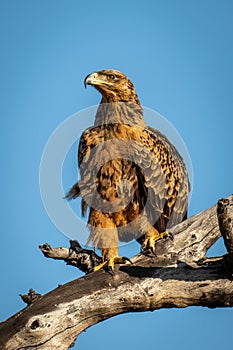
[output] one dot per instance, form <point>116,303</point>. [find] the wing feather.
<point>155,170</point>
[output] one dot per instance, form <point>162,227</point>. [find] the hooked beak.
<point>90,79</point>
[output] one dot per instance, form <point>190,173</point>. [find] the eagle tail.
<point>74,192</point>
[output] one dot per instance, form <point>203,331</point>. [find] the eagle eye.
<point>111,76</point>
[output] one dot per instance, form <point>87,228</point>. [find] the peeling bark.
<point>173,278</point>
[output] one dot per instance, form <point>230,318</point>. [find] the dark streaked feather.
<point>152,166</point>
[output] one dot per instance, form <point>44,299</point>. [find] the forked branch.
<point>179,276</point>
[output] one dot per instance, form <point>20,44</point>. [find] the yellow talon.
<point>150,240</point>
<point>100,266</point>
<point>111,262</point>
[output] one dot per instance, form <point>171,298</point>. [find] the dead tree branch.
<point>84,259</point>
<point>173,278</point>
<point>225,223</point>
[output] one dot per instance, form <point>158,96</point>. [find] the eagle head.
<point>113,85</point>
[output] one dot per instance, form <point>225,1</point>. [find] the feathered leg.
<point>105,237</point>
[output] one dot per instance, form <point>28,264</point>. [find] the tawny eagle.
<point>132,179</point>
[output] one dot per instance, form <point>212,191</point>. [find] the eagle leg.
<point>151,237</point>
<point>105,238</point>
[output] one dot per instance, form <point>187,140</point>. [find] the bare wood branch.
<point>31,297</point>
<point>171,279</point>
<point>192,239</point>
<point>225,223</point>
<point>84,259</point>
<point>224,212</point>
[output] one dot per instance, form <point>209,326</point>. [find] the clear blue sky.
<point>179,54</point>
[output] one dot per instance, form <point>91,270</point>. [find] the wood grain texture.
<point>173,278</point>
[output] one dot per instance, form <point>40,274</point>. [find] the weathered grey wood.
<point>173,278</point>
<point>84,259</point>
<point>192,239</point>
<point>224,209</point>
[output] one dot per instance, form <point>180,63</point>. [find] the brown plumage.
<point>132,178</point>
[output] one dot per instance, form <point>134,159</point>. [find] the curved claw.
<point>110,270</point>
<point>148,251</point>
<point>124,258</point>
<point>152,250</point>
<point>170,235</point>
